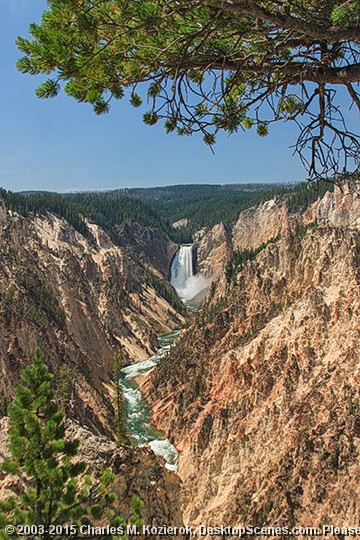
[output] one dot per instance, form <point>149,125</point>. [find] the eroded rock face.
<point>213,250</point>
<point>181,223</point>
<point>261,396</point>
<point>150,244</point>
<point>339,209</point>
<point>270,220</point>
<point>258,224</point>
<point>254,227</point>
<point>138,472</point>
<point>76,299</point>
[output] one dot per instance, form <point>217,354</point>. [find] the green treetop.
<point>210,65</point>
<point>56,492</point>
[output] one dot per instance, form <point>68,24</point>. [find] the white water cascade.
<point>185,282</point>
<point>138,413</point>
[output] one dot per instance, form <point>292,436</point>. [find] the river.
<point>138,413</point>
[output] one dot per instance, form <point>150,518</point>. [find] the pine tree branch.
<point>354,95</point>
<point>285,20</point>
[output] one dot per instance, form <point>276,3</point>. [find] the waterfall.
<point>182,267</point>
<point>185,282</point>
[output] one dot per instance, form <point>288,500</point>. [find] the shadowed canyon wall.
<point>76,299</point>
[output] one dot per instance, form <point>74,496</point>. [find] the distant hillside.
<point>207,205</point>
<point>159,207</point>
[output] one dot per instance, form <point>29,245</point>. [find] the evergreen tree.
<point>56,492</point>
<point>119,401</point>
<point>210,65</point>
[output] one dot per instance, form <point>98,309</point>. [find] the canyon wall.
<point>261,395</point>
<point>149,244</point>
<point>76,298</point>
<point>259,224</point>
<point>213,250</point>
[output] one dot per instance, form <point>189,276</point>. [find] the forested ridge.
<point>202,205</point>
<point>206,205</point>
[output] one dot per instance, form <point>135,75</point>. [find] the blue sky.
<point>61,145</point>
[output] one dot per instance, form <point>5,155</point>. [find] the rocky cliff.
<point>76,298</point>
<point>257,225</point>
<point>261,395</point>
<point>137,472</point>
<point>254,227</point>
<point>213,250</point>
<point>149,244</point>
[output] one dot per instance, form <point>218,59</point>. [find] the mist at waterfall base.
<point>185,282</point>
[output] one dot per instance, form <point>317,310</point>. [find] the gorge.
<point>138,413</point>
<point>188,285</point>
<point>261,395</point>
<point>256,404</point>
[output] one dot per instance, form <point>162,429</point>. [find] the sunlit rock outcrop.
<point>261,396</point>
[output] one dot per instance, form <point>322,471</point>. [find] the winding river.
<point>138,413</point>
